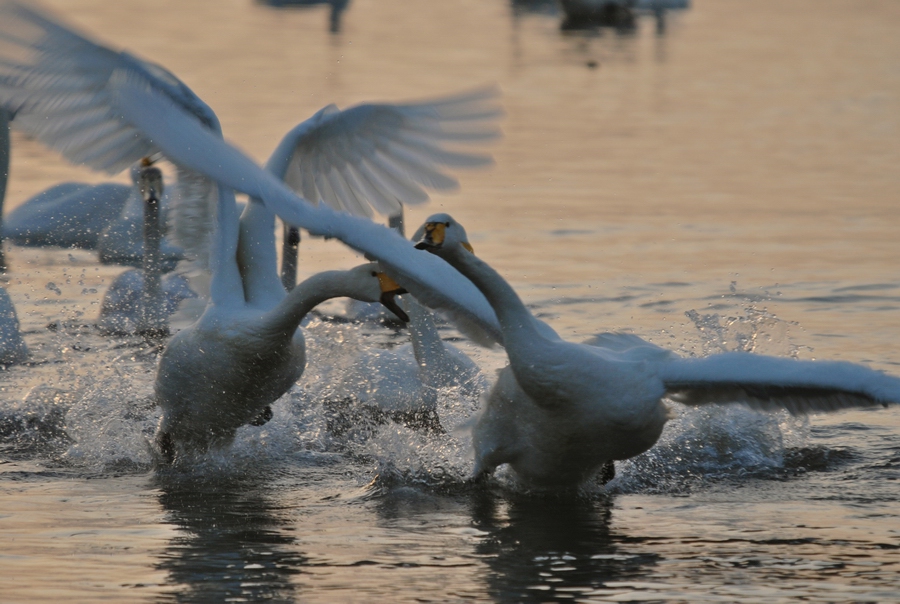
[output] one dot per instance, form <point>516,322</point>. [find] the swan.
<point>224,370</point>
<point>404,383</point>
<point>70,214</point>
<point>122,239</point>
<point>105,217</point>
<point>227,368</point>
<point>561,411</point>
<point>140,301</point>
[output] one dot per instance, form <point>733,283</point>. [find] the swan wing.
<point>383,156</point>
<point>629,347</point>
<point>185,141</point>
<point>769,383</point>
<point>60,87</point>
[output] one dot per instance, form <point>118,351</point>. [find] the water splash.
<point>709,444</point>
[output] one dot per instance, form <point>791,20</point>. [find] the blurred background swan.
<point>404,384</point>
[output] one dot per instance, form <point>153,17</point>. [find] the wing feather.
<point>800,387</point>
<point>388,155</point>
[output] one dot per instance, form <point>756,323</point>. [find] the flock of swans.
<point>559,414</point>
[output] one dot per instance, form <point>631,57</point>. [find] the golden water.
<point>743,161</point>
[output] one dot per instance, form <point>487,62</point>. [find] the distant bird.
<point>561,411</point>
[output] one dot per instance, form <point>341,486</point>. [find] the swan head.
<point>150,181</point>
<point>442,233</point>
<point>374,285</point>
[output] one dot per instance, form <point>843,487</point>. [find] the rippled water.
<point>728,184</point>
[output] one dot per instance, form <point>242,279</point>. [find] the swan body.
<point>404,383</point>
<point>223,371</point>
<point>560,410</point>
<point>66,215</point>
<point>120,311</point>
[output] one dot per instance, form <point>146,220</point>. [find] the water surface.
<point>729,184</point>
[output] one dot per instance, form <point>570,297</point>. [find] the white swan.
<point>224,370</point>
<point>105,217</point>
<point>140,301</point>
<point>560,411</point>
<point>404,383</point>
<point>122,239</point>
<point>70,214</point>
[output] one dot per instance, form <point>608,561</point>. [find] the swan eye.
<point>446,224</point>
<point>374,274</point>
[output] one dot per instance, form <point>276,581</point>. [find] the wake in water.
<point>105,423</point>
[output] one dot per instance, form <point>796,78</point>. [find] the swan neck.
<point>516,321</point>
<point>307,295</point>
<point>426,341</point>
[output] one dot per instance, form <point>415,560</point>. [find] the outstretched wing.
<point>59,86</point>
<point>770,383</point>
<point>158,119</point>
<point>384,156</point>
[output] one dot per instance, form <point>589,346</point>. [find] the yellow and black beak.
<point>433,237</point>
<point>389,289</point>
<point>151,181</point>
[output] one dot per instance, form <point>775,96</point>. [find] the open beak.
<point>433,237</point>
<point>389,289</point>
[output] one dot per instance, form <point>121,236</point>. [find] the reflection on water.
<point>549,549</point>
<point>336,9</point>
<point>231,543</point>
<point>730,184</point>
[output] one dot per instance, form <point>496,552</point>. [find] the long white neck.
<point>226,287</point>
<point>428,347</point>
<point>257,259</point>
<point>285,317</point>
<point>523,336</point>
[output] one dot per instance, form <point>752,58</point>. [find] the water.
<point>729,184</point>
